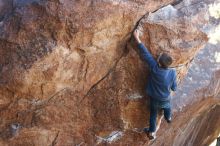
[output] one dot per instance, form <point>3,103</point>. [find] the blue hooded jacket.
<point>161,81</point>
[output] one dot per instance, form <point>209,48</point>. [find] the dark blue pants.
<point>155,106</point>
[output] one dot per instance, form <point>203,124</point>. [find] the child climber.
<point>161,81</point>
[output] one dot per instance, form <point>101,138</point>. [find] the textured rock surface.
<point>52,54</point>
<point>206,62</point>
<point>5,7</point>
<point>71,75</point>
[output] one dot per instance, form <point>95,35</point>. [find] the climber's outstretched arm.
<point>144,51</point>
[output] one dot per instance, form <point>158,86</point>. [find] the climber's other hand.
<point>136,35</point>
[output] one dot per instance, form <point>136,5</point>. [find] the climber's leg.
<point>153,115</point>
<point>151,131</point>
<point>160,114</point>
<point>167,114</point>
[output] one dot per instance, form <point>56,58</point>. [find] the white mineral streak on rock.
<point>164,14</point>
<point>214,35</point>
<point>135,96</point>
<point>214,9</point>
<point>217,57</point>
<point>112,137</point>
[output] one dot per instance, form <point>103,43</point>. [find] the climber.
<point>161,81</point>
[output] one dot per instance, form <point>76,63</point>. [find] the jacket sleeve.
<point>174,85</point>
<point>147,56</point>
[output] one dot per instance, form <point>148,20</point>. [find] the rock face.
<point>182,41</point>
<point>71,75</point>
<point>206,62</point>
<point>53,53</point>
<point>5,7</point>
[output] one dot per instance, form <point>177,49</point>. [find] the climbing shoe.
<point>169,120</point>
<point>151,135</point>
